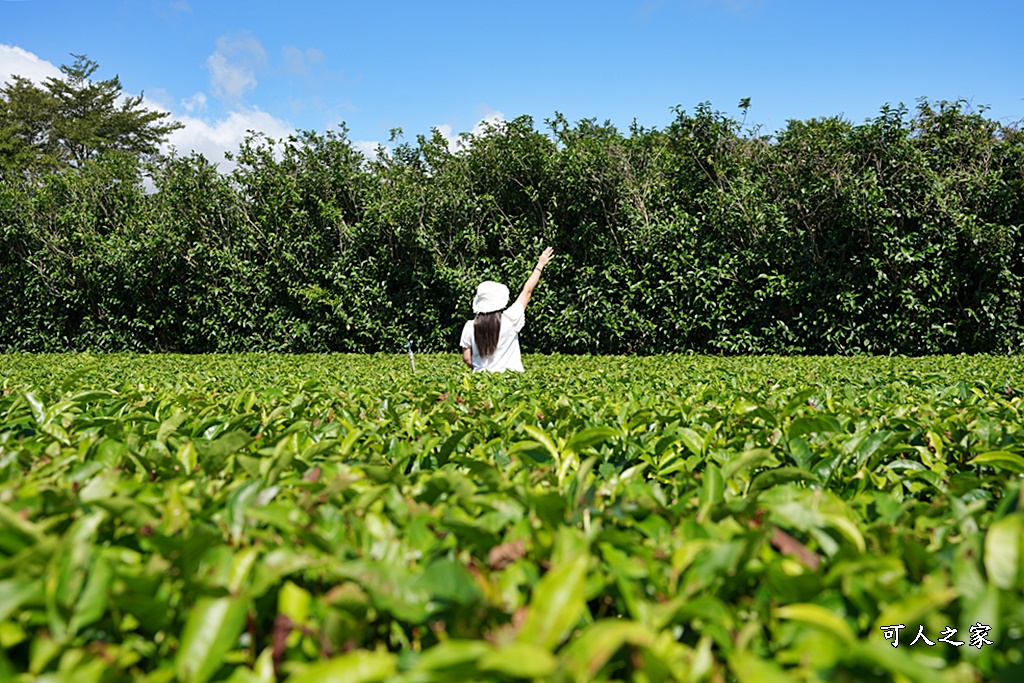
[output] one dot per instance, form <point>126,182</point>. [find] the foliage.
<point>899,235</point>
<point>72,119</point>
<point>306,518</point>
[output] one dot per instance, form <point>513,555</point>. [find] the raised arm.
<point>531,282</point>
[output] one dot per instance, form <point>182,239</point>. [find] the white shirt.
<point>506,356</point>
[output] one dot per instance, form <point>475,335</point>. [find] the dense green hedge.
<point>898,235</point>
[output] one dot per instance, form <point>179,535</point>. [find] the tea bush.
<point>898,235</point>
<point>303,518</point>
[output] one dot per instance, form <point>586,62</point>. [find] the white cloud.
<point>491,117</point>
<point>297,62</point>
<point>213,138</point>
<point>195,103</point>
<point>234,64</point>
<point>368,148</point>
<point>15,61</point>
<point>158,98</point>
<point>454,143</point>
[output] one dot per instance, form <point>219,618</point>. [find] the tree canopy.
<point>900,235</point>
<point>68,120</point>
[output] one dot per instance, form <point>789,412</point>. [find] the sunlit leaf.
<point>210,632</point>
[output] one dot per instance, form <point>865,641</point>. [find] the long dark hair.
<point>486,328</point>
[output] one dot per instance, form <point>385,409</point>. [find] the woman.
<point>491,340</point>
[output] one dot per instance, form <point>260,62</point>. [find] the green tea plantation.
<point>262,518</point>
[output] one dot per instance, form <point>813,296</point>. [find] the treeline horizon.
<point>898,235</point>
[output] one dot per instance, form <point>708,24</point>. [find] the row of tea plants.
<point>261,518</point>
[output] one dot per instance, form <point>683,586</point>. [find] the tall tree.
<point>71,119</point>
<point>26,120</point>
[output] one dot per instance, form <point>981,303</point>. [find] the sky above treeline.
<point>223,67</point>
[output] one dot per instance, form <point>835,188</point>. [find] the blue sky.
<point>223,66</point>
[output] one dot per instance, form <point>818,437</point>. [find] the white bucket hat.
<point>490,297</point>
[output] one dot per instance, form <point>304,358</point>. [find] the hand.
<point>545,257</point>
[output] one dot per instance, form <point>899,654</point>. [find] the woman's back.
<point>506,355</point>
<point>491,340</point>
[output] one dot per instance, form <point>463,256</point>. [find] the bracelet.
<point>539,269</point>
